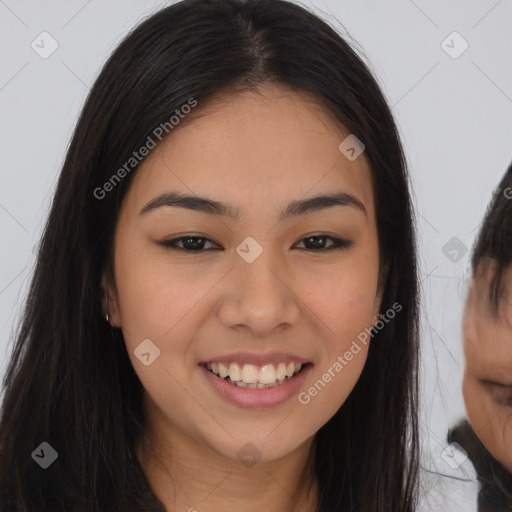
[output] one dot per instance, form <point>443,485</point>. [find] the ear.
<point>381,285</point>
<point>109,302</point>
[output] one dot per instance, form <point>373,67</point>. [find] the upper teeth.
<point>252,374</point>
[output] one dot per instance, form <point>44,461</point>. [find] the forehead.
<point>488,338</point>
<point>259,145</point>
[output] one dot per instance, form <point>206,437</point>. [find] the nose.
<point>259,297</point>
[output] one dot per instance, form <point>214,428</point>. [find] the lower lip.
<point>252,398</point>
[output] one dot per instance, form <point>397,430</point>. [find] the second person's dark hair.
<point>494,240</point>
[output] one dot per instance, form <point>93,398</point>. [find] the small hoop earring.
<point>107,317</point>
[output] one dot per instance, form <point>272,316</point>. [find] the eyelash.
<point>337,244</point>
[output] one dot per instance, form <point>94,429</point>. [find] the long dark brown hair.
<point>70,382</point>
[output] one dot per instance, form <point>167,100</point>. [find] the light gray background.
<point>455,117</point>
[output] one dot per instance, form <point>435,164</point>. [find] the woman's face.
<point>487,384</point>
<point>251,289</point>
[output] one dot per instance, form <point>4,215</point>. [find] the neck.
<point>188,475</point>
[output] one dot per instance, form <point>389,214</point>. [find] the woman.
<point>487,333</point>
<point>224,308</point>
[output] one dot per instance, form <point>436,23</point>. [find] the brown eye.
<point>319,240</point>
<point>188,243</point>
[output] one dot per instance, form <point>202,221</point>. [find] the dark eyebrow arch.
<point>209,206</point>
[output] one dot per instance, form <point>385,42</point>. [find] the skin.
<point>257,152</point>
<point>487,384</point>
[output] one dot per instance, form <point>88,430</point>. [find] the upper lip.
<point>256,359</point>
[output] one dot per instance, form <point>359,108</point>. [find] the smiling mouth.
<point>254,377</point>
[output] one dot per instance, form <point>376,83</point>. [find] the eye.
<point>191,243</point>
<point>501,394</point>
<point>337,243</point>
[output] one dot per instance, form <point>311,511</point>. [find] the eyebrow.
<point>211,207</point>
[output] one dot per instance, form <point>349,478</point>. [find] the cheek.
<point>477,401</point>
<point>345,303</point>
<point>349,318</point>
<point>334,380</point>
<point>157,303</point>
<point>156,306</point>
<point>153,294</point>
